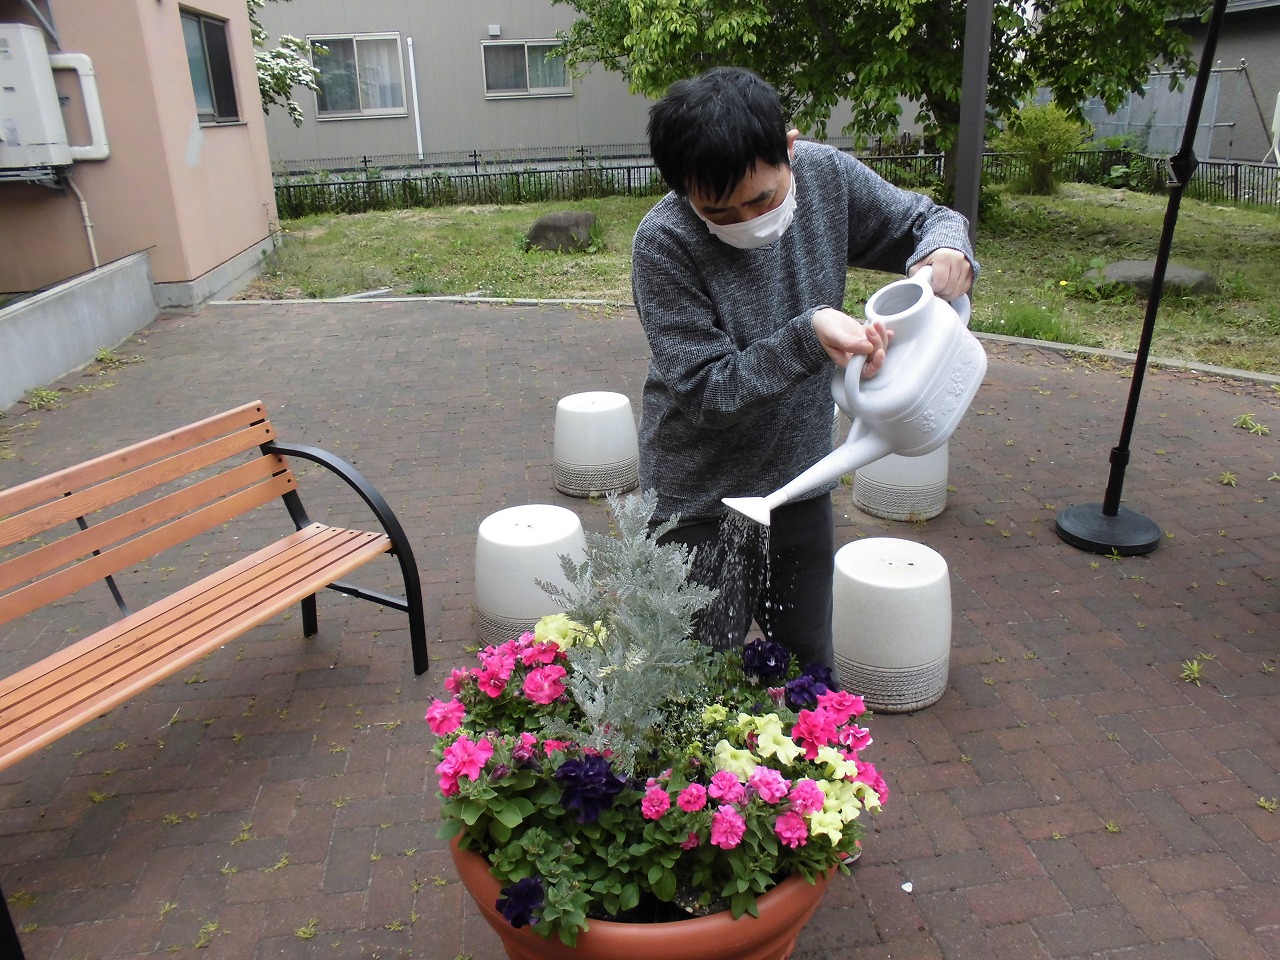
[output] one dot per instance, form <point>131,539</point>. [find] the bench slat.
<point>85,680</point>
<point>55,586</point>
<point>117,529</point>
<point>43,489</point>
<point>295,560</point>
<point>84,502</point>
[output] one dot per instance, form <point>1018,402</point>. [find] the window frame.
<point>362,113</point>
<point>218,67</point>
<point>528,92</point>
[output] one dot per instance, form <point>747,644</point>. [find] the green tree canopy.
<point>871,52</point>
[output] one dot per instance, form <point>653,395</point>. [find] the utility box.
<point>32,132</point>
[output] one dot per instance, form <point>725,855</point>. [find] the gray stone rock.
<point>565,231</point>
<point>1138,275</point>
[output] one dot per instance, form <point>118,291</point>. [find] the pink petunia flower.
<point>456,682</point>
<point>544,684</point>
<point>791,829</point>
<point>692,798</point>
<point>524,749</point>
<point>869,775</point>
<point>500,660</point>
<point>769,784</point>
<point>806,796</point>
<point>727,787</point>
<point>540,654</point>
<point>691,841</point>
<point>842,704</point>
<point>656,802</point>
<point>727,827</point>
<point>813,730</point>
<point>854,737</point>
<point>551,746</point>
<point>445,716</point>
<point>491,682</point>
<point>462,758</point>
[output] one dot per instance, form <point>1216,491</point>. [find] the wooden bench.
<point>90,522</point>
<point>143,500</point>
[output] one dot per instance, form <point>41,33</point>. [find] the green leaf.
<point>664,886</point>
<point>513,812</point>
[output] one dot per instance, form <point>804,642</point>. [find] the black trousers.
<point>779,576</point>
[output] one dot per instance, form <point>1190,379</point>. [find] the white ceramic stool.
<point>903,488</point>
<point>595,445</point>
<point>891,615</point>
<point>515,548</point>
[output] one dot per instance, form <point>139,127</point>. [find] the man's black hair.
<point>709,131</point>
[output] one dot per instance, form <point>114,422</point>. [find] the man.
<point>739,277</point>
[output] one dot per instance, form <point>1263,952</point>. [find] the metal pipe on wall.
<point>413,87</point>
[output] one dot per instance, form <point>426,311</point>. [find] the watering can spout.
<point>912,405</point>
<point>859,450</point>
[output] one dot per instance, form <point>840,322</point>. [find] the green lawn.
<point>1035,253</point>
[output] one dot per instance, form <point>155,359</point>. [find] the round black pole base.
<point>1128,533</point>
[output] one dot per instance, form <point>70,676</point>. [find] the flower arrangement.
<point>607,765</point>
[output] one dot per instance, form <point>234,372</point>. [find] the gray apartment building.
<point>441,77</point>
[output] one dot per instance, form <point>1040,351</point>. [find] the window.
<point>360,76</point>
<point>525,69</point>
<point>209,58</point>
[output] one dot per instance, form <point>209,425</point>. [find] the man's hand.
<point>844,338</point>
<point>952,273</point>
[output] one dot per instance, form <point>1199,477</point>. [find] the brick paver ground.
<point>1069,796</point>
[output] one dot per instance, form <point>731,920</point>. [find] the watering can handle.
<point>960,304</point>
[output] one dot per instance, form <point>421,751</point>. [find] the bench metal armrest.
<point>386,517</point>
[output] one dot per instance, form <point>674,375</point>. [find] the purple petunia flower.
<point>588,786</point>
<point>519,902</point>
<point>765,660</point>
<point>804,690</point>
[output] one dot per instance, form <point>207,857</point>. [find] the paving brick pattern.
<point>1069,796</point>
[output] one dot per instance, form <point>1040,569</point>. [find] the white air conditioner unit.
<point>32,132</point>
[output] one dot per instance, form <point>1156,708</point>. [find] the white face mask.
<point>760,231</point>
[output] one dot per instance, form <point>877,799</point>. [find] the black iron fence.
<point>576,179</point>
<point>475,161</point>
<point>1219,181</point>
<point>439,189</point>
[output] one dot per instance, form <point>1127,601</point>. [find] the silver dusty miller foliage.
<point>649,662</point>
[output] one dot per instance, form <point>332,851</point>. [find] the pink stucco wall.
<point>193,196</point>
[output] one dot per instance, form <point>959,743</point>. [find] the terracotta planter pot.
<point>784,911</point>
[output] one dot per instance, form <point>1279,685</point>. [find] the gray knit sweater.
<point>737,399</point>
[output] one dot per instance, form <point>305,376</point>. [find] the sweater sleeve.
<point>723,358</point>
<point>892,229</point>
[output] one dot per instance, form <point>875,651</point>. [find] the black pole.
<point>971,137</point>
<point>1111,528</point>
<point>9,945</point>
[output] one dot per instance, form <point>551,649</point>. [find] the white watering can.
<point>912,405</point>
